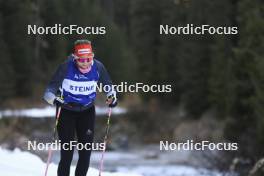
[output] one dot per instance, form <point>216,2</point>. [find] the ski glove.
<point>112,100</point>
<point>58,101</point>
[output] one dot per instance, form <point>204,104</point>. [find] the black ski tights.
<point>83,124</point>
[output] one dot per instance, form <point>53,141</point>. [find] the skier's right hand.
<point>111,100</point>
<point>58,101</point>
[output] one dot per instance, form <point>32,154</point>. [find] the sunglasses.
<point>88,59</point>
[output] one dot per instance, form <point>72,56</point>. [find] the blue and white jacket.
<point>77,88</point>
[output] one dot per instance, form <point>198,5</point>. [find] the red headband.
<point>83,50</point>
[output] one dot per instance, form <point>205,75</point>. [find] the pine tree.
<point>6,71</point>
<point>16,16</point>
<point>249,57</point>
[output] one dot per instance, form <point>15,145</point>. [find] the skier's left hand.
<point>111,100</point>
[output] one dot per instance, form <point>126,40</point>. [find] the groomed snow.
<point>169,171</point>
<point>18,163</point>
<point>49,111</point>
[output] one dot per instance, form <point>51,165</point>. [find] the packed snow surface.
<point>18,163</point>
<point>21,163</point>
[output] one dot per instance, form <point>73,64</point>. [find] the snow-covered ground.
<point>18,163</point>
<point>50,111</point>
<point>168,171</point>
<point>137,162</point>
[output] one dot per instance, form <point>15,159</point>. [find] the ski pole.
<point>105,141</point>
<point>53,139</point>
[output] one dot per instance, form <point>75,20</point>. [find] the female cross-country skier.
<point>73,88</point>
